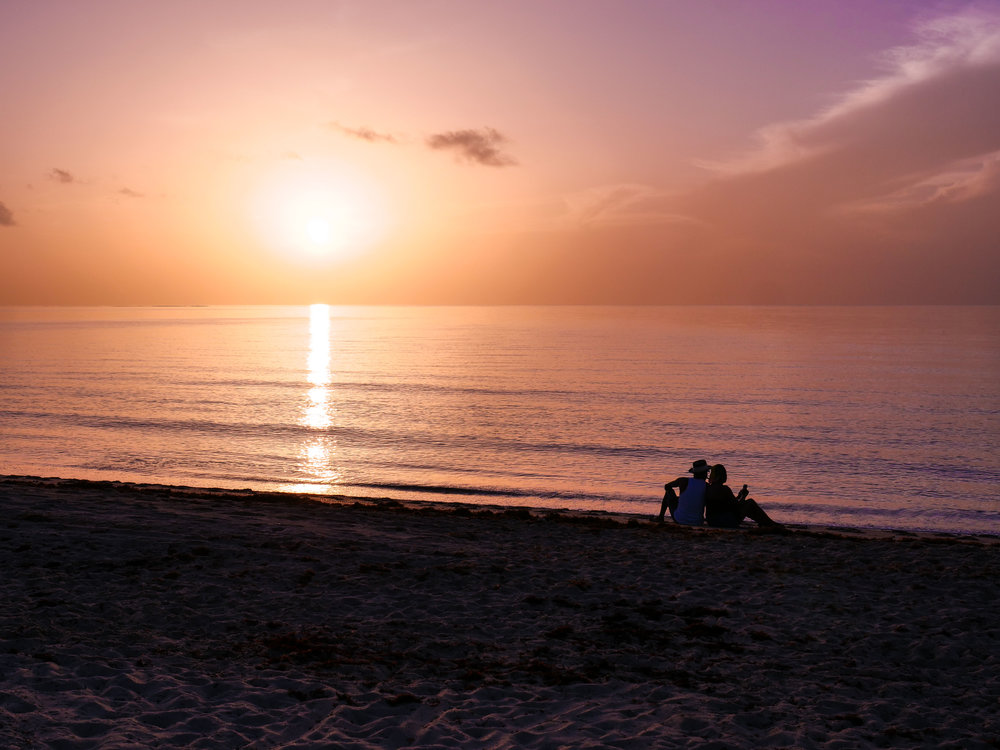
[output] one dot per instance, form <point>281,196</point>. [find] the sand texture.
<point>158,617</point>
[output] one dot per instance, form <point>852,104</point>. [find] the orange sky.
<point>568,151</point>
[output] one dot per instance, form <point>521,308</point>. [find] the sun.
<point>318,230</point>
<point>319,214</point>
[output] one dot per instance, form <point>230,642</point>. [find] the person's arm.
<point>670,497</point>
<point>727,499</point>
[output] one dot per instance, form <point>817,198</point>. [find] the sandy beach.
<point>140,616</point>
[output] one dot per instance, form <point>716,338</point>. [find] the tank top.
<point>691,504</point>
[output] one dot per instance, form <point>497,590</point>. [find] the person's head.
<point>718,474</point>
<point>700,469</point>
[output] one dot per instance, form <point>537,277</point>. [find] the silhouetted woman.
<point>723,508</point>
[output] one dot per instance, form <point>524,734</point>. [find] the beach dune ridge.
<point>157,616</point>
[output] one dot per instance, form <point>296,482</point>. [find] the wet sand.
<point>136,616</point>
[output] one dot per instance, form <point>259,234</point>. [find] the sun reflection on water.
<point>316,460</point>
<point>319,345</point>
<point>317,411</point>
<point>317,414</point>
<point>317,454</point>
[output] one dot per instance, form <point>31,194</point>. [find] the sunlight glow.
<point>326,214</point>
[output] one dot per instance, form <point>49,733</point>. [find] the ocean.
<point>865,417</point>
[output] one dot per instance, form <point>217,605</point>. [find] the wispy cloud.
<point>934,113</point>
<point>6,217</point>
<point>61,175</point>
<point>364,134</point>
<point>474,146</point>
<point>129,193</point>
<point>965,181</point>
<point>621,205</point>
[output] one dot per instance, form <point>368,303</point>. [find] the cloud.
<point>965,181</point>
<point>61,175</point>
<point>291,156</point>
<point>6,217</point>
<point>128,192</point>
<point>621,205</point>
<point>879,197</point>
<point>364,134</point>
<point>476,146</point>
<point>937,104</point>
<point>930,123</point>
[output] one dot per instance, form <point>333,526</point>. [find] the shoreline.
<point>146,615</point>
<point>247,493</point>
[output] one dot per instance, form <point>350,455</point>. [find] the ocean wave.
<point>437,489</point>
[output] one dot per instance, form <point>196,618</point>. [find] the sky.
<point>524,152</point>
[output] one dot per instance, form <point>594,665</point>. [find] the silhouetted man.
<point>689,508</point>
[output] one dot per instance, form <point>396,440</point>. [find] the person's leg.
<point>669,503</point>
<point>750,509</point>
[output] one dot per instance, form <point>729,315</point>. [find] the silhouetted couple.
<point>708,499</point>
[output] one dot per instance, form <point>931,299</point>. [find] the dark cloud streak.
<point>364,134</point>
<point>6,217</point>
<point>62,176</point>
<point>475,146</point>
<point>472,146</point>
